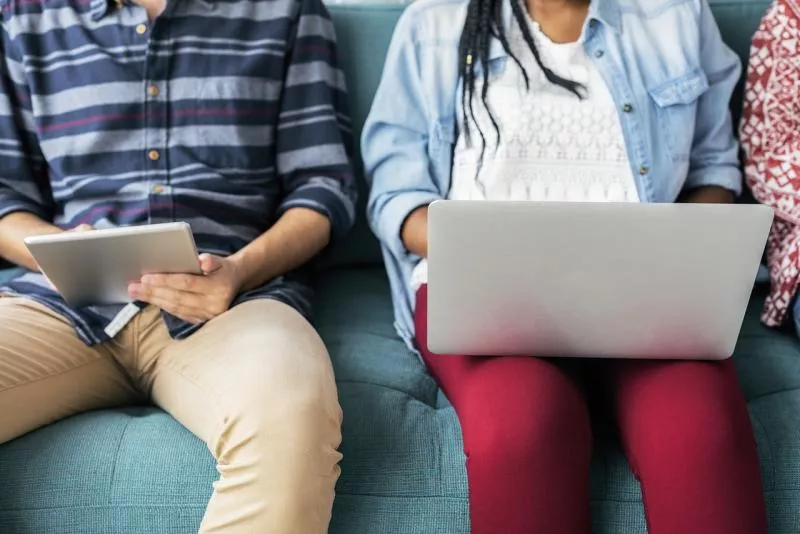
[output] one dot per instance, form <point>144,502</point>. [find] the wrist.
<point>414,232</point>
<point>710,195</point>
<point>243,270</point>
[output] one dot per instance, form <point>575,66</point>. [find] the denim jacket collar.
<point>604,11</point>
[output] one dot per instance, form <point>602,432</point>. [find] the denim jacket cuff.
<point>729,178</point>
<point>394,215</point>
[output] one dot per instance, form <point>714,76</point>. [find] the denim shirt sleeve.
<point>714,159</point>
<point>395,141</point>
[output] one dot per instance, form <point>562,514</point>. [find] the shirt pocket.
<point>676,111</point>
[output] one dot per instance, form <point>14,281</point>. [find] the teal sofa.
<point>135,470</point>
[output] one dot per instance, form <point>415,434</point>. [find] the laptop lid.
<point>598,280</point>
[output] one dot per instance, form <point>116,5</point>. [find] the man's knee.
<point>294,414</point>
<point>283,399</point>
<point>280,397</point>
<point>289,436</point>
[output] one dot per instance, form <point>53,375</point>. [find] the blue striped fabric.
<point>220,113</point>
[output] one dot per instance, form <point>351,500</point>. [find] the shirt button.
<point>158,189</point>
<point>152,90</point>
<point>153,155</point>
<point>141,29</point>
<point>643,170</point>
<point>599,53</point>
<point>627,108</point>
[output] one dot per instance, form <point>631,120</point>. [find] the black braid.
<point>552,77</point>
<point>483,23</point>
<point>485,28</point>
<point>466,48</point>
<point>501,36</point>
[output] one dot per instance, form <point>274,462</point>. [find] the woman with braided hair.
<point>566,100</point>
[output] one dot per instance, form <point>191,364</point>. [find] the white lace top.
<point>552,146</point>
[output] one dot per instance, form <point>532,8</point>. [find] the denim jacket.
<point>664,62</point>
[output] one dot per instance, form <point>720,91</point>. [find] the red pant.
<point>528,442</point>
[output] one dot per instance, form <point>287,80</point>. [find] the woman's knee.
<point>697,440</point>
<point>694,414</point>
<point>548,428</point>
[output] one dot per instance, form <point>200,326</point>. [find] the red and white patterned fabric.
<point>770,135</point>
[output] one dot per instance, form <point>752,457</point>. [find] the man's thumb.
<point>209,263</point>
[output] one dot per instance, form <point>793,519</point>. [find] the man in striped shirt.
<point>229,115</point>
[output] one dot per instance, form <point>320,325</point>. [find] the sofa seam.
<point>771,393</point>
<point>406,393</point>
<point>338,493</point>
<point>116,461</point>
<point>768,444</point>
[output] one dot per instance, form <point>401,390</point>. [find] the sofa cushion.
<point>137,470</point>
<point>118,471</point>
<point>354,318</point>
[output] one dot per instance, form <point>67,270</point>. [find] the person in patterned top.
<point>770,137</point>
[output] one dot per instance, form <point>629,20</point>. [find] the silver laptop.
<point>591,280</point>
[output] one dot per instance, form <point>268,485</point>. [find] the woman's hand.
<point>414,232</point>
<point>193,298</point>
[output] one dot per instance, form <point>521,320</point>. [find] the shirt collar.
<point>604,11</point>
<point>607,12</point>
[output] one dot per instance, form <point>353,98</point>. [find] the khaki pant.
<point>255,384</point>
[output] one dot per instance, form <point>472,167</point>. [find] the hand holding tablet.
<point>195,299</point>
<point>95,267</point>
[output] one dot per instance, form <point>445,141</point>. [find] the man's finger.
<point>165,297</point>
<point>191,316</point>
<point>187,283</point>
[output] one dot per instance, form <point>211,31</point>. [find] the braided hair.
<point>484,22</point>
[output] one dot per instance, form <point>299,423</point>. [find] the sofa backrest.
<point>364,31</point>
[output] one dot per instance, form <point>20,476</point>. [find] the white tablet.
<point>95,267</point>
